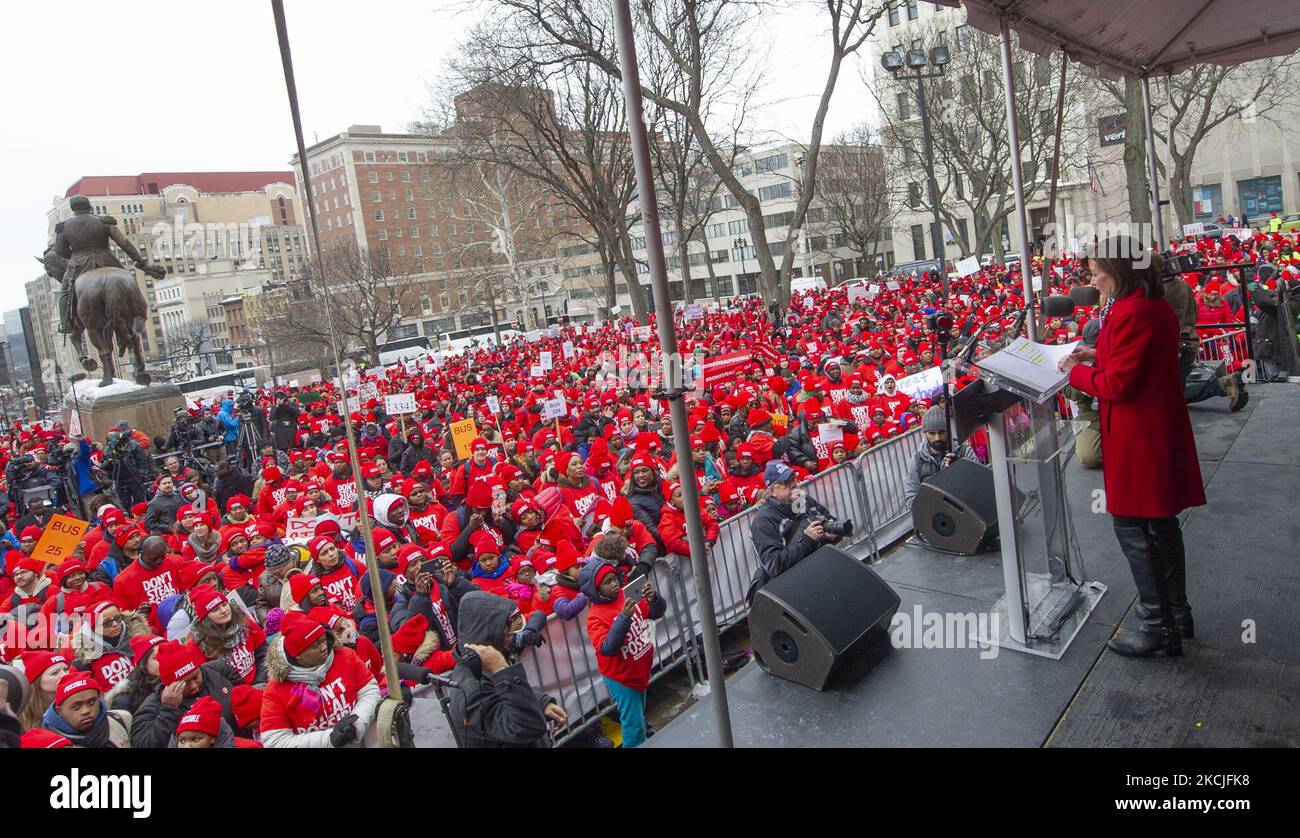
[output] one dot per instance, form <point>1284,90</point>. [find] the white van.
<point>807,283</point>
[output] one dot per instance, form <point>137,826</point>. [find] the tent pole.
<point>1152,179</point>
<point>1017,178</point>
<point>672,369</point>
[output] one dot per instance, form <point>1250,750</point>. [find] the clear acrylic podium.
<point>1046,599</point>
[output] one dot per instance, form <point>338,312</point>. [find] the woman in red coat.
<point>1149,457</point>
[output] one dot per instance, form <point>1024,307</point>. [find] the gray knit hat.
<point>934,420</point>
<point>277,555</point>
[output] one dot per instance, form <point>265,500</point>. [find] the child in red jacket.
<point>623,636</point>
<point>672,524</point>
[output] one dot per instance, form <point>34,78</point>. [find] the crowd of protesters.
<point>203,614</point>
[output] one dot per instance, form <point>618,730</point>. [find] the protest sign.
<point>969,265</point>
<point>567,347</point>
<point>299,530</point>
<point>724,368</point>
<point>536,371</point>
<point>462,434</point>
<point>922,385</point>
<point>545,361</point>
<point>59,539</point>
<point>494,404</point>
<point>830,433</point>
<point>554,409</point>
<point>400,403</point>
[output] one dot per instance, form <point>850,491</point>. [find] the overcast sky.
<point>124,88</point>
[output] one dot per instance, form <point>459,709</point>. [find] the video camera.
<point>1173,264</point>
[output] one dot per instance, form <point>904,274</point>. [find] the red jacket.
<point>283,708</point>
<point>672,529</point>
<point>1152,470</point>
<point>631,666</point>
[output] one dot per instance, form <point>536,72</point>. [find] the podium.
<point>1047,598</point>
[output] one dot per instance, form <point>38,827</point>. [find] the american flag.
<point>1093,184</point>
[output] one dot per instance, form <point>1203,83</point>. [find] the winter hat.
<point>35,663</point>
<point>69,567</point>
<point>327,615</point>
<point>299,631</point>
<point>479,495</point>
<point>28,563</point>
<point>205,599</point>
<point>329,528</point>
<point>484,544</point>
<point>934,420</point>
<point>204,716</point>
<point>300,585</point>
<point>31,532</point>
<point>245,705</point>
<point>141,646</point>
<point>124,533</point>
<point>271,474</point>
<point>240,500</point>
<point>408,638</point>
<point>72,683</point>
<point>566,556</point>
<point>370,470</point>
<point>386,578</point>
<point>39,737</point>
<point>620,514</point>
<point>278,555</point>
<point>382,539</point>
<point>138,509</point>
<point>176,661</point>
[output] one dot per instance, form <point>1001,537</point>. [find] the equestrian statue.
<point>98,295</point>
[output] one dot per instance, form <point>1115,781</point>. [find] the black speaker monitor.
<point>956,510</point>
<point>814,615</point>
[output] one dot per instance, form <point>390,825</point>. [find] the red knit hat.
<point>35,663</point>
<point>620,513</point>
<point>299,631</point>
<point>327,615</point>
<point>241,500</point>
<point>300,584</point>
<point>176,661</point>
<point>31,532</point>
<point>205,599</point>
<point>125,531</point>
<point>41,738</point>
<point>566,556</point>
<point>246,705</point>
<point>758,417</point>
<point>141,646</point>
<point>69,567</point>
<point>28,563</point>
<point>407,639</point>
<point>484,544</point>
<point>203,716</point>
<point>72,683</point>
<point>479,495</point>
<point>382,539</point>
<point>271,474</point>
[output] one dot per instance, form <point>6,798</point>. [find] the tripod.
<point>247,444</point>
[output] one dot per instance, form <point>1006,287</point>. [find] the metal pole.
<point>932,183</point>
<point>1154,182</point>
<point>1056,146</point>
<point>1017,179</point>
<point>372,565</point>
<point>668,347</point>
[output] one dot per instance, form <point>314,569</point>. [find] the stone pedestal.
<point>150,409</point>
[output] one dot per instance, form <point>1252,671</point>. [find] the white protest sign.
<point>533,336</point>
<point>348,521</point>
<point>74,424</point>
<point>1240,232</point>
<point>544,360</point>
<point>399,403</point>
<point>354,404</point>
<point>293,382</point>
<point>923,384</point>
<point>567,348</point>
<point>969,265</point>
<point>552,330</point>
<point>535,371</point>
<point>494,404</point>
<point>553,409</point>
<point>380,373</point>
<point>857,292</point>
<point>412,367</point>
<point>694,311</point>
<point>299,530</point>
<point>351,378</point>
<point>872,290</point>
<point>313,378</point>
<point>830,433</point>
<point>1195,229</point>
<point>641,333</point>
<point>892,285</point>
<point>615,309</point>
<point>368,390</point>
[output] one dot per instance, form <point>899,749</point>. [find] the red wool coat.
<point>1149,461</point>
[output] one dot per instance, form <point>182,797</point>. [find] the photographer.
<point>30,475</point>
<point>788,526</point>
<point>284,421</point>
<point>128,466</point>
<point>184,433</point>
<point>937,454</point>
<point>490,691</point>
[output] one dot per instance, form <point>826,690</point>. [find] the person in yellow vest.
<point>1274,223</point>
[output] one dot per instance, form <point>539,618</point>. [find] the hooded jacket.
<point>110,663</point>
<point>229,424</point>
<point>111,728</point>
<point>500,710</point>
<point>624,645</point>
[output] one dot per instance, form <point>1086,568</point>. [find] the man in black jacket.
<point>231,480</point>
<point>284,421</point>
<point>491,696</point>
<point>787,527</point>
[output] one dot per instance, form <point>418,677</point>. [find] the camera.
<point>1174,264</point>
<point>833,527</point>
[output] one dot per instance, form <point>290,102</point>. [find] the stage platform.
<point>1233,687</point>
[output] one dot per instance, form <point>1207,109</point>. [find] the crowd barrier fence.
<point>867,491</point>
<point>1228,347</point>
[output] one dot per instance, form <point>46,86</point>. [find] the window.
<point>893,16</point>
<point>963,37</point>
<point>775,163</point>
<point>401,251</point>
<point>735,228</point>
<point>912,10</point>
<point>433,229</point>
<point>714,231</point>
<point>909,154</point>
<point>778,190</point>
<point>918,241</point>
<point>914,195</point>
<point>375,197</point>
<point>408,195</point>
<point>410,214</point>
<point>1260,196</point>
<point>406,177</point>
<point>401,157</point>
<point>372,177</point>
<point>370,157</point>
<point>415,232</point>
<point>904,106</point>
<point>778,219</point>
<point>379,215</point>
<point>383,234</point>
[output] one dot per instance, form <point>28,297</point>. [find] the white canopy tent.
<point>1134,39</point>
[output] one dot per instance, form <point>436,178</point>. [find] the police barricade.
<point>841,491</point>
<point>884,479</point>
<point>1228,347</point>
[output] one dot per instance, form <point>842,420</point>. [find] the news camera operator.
<point>788,526</point>
<point>284,421</point>
<point>31,474</point>
<point>185,433</point>
<point>127,465</point>
<point>936,455</point>
<point>1149,461</point>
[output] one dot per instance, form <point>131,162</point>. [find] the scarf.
<point>201,551</point>
<point>861,398</point>
<point>96,737</point>
<point>304,702</point>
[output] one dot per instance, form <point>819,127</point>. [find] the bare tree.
<point>559,123</point>
<point>970,141</point>
<point>696,35</point>
<point>184,347</point>
<point>855,202</point>
<point>366,297</point>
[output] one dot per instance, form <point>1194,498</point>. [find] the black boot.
<point>1158,633</point>
<point>1168,543</point>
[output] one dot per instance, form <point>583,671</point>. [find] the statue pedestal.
<point>96,409</point>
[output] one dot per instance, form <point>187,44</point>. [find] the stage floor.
<point>1236,684</point>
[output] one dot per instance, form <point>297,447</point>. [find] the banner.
<point>462,434</point>
<point>399,404</point>
<point>59,539</point>
<point>494,405</point>
<point>567,348</point>
<point>545,361</point>
<point>922,385</point>
<point>724,368</point>
<point>694,311</point>
<point>969,265</point>
<point>641,333</point>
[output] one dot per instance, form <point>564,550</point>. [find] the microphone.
<point>1058,306</point>
<point>1085,295</point>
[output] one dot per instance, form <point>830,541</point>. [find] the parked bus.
<point>220,383</point>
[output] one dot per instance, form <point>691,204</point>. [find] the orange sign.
<point>59,539</point>
<point>463,433</point>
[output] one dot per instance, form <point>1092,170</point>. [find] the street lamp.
<point>740,243</point>
<point>916,61</point>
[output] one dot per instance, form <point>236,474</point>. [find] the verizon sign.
<point>1111,130</point>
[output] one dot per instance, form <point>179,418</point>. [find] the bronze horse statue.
<point>111,308</point>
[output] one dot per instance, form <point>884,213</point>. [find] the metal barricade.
<point>884,476</point>
<point>1228,347</point>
